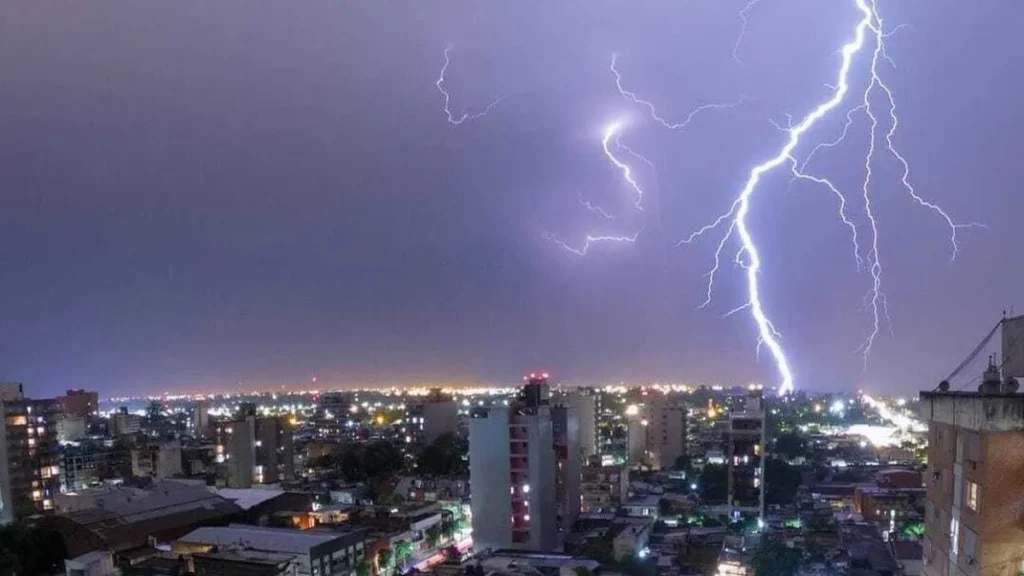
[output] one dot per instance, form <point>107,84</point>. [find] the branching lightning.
<point>465,115</point>
<point>868,31</point>
<point>743,28</point>
<point>629,95</point>
<point>590,241</point>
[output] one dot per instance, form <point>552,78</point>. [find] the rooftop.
<point>249,556</point>
<point>246,498</point>
<point>262,538</point>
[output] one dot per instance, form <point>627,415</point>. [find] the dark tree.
<point>791,445</point>
<point>713,485</point>
<point>445,456</point>
<point>382,458</point>
<point>30,550</point>
<point>774,558</point>
<point>781,481</point>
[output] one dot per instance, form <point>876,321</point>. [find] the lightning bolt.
<point>740,208</point>
<point>452,119</point>
<point>631,96</point>
<point>869,28</point>
<point>590,241</point>
<point>611,135</point>
<point>595,208</point>
<point>743,28</point>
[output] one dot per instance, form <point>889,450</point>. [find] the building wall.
<point>30,475</point>
<point>744,454</point>
<point>568,464</point>
<point>974,439</point>
<point>240,452</point>
<point>439,418</point>
<point>666,431</point>
<point>543,524</point>
<point>489,474</point>
<point>636,441</point>
<point>274,454</point>
<point>586,412</point>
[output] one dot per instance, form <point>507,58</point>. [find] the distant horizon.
<point>239,198</point>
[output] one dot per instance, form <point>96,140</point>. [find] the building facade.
<point>29,459</point>
<point>512,473</point>
<point>666,431</point>
<point>568,464</point>
<point>744,454</point>
<point>437,415</point>
<point>973,483</point>
<point>255,450</point>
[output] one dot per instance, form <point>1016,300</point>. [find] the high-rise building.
<point>200,420</point>
<point>512,472</point>
<point>744,454</point>
<point>256,450</point>
<point>586,411</point>
<point>437,415</point>
<point>666,431</point>
<point>973,481</point>
<point>124,423</point>
<point>29,460</point>
<point>80,403</point>
<point>333,411</point>
<point>159,461</point>
<point>89,464</point>
<point>568,464</point>
<point>636,440</point>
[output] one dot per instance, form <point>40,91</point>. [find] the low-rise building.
<point>630,538</point>
<point>646,506</point>
<point>318,553</point>
<point>603,488</point>
<point>243,563</point>
<point>121,518</point>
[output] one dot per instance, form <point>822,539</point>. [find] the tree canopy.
<point>444,456</point>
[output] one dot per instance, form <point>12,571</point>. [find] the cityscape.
<point>633,480</point>
<point>582,288</point>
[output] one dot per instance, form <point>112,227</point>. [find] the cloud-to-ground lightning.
<point>630,95</point>
<point>743,28</point>
<point>465,115</point>
<point>871,24</point>
<point>868,31</point>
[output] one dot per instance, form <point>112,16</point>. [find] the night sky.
<point>198,194</point>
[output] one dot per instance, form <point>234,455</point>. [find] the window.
<point>972,495</point>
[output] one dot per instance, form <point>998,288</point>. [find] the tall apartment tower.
<point>666,431</point>
<point>585,405</point>
<point>744,452</point>
<point>512,472</point>
<point>200,421</point>
<point>636,440</point>
<point>568,464</point>
<point>29,460</point>
<point>973,482</point>
<point>256,450</point>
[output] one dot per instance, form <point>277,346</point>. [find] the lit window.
<point>37,495</point>
<point>972,495</point>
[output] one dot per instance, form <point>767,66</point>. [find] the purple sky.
<point>195,194</point>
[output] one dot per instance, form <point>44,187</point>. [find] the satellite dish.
<point>944,386</point>
<point>1010,384</point>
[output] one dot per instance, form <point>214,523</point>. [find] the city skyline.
<point>261,198</point>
